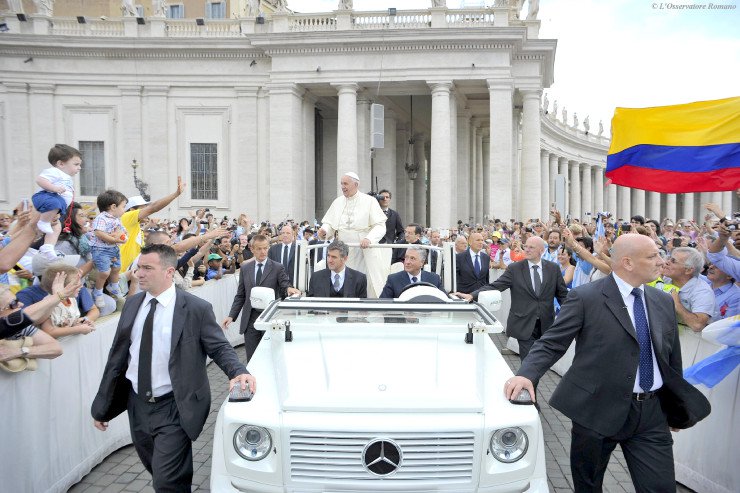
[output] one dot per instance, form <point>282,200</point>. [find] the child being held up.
<point>56,192</point>
<point>108,233</point>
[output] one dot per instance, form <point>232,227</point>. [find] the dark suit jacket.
<point>195,335</point>
<point>400,253</point>
<point>275,253</point>
<point>396,282</point>
<point>596,392</point>
<point>393,227</point>
<point>467,281</point>
<point>526,306</point>
<point>273,276</point>
<point>355,284</point>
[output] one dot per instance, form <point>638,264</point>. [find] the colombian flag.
<point>685,148</point>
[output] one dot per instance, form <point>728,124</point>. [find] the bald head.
<point>534,248</point>
<point>635,259</point>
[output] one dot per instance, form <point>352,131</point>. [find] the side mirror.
<point>491,300</point>
<point>260,297</point>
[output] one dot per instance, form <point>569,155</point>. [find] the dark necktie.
<point>537,280</point>
<point>413,279</point>
<point>286,251</point>
<point>145,352</point>
<point>337,286</point>
<point>476,266</point>
<point>643,338</point>
<point>258,279</point>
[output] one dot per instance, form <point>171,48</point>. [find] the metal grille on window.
<point>204,171</point>
<point>92,174</point>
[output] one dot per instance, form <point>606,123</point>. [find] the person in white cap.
<point>138,209</point>
<point>356,217</point>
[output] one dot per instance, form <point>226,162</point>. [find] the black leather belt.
<point>153,400</point>
<point>643,396</point>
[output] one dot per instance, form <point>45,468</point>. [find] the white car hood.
<point>372,371</point>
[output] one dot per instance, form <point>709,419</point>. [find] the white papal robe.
<point>351,219</point>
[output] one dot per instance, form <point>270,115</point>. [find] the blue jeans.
<point>105,257</point>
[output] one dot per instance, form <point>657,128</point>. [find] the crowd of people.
<point>93,249</point>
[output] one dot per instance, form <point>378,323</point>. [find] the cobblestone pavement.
<point>122,470</point>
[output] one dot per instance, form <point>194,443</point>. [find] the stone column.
<point>43,135</point>
<point>611,196</point>
<point>563,170</point>
<point>363,143</point>
<point>553,158</point>
<point>155,152</point>
<point>346,130</point>
<point>670,207</point>
<point>501,95</point>
<point>19,174</point>
<point>454,179</point>
<point>638,202</point>
<point>400,197</point>
<point>489,204</point>
<point>653,205</point>
<point>463,165</point>
<point>716,198</point>
<point>545,181</point>
<point>384,162</point>
<point>130,124</point>
<point>474,177</point>
<point>420,184</point>
<point>625,206</point>
<point>531,185</point>
<point>575,190</point>
<point>263,153</point>
<point>286,151</point>
<point>727,202</point>
<point>687,211</point>
<point>587,204</point>
<point>484,193</point>
<point>441,165</point>
<point>598,189</point>
<point>308,168</point>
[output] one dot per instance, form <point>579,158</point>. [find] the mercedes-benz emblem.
<point>382,457</point>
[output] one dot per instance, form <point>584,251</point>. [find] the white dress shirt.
<point>341,278</point>
<point>539,271</point>
<point>473,255</point>
<point>629,302</point>
<point>161,342</point>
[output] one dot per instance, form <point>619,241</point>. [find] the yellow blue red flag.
<point>692,147</point>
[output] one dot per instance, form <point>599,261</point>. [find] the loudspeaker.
<point>81,19</point>
<point>22,17</point>
<point>377,126</point>
<point>140,21</point>
<point>199,21</point>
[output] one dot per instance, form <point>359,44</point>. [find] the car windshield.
<point>334,313</point>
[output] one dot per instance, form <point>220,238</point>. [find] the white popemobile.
<point>378,395</point>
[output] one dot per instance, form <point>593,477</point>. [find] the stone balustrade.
<point>275,23</point>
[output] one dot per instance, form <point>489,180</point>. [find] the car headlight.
<point>509,444</point>
<point>252,442</point>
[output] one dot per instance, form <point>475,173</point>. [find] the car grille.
<point>337,456</point>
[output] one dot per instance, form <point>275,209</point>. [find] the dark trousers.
<point>647,445</point>
<point>252,336</point>
<point>525,345</point>
<point>163,446</point>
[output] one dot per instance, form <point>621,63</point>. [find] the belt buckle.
<point>152,399</point>
<point>641,396</point>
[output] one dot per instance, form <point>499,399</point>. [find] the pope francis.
<point>356,217</point>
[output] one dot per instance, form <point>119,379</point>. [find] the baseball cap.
<point>214,256</point>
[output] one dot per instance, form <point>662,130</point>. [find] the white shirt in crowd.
<point>161,342</point>
<point>59,177</point>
